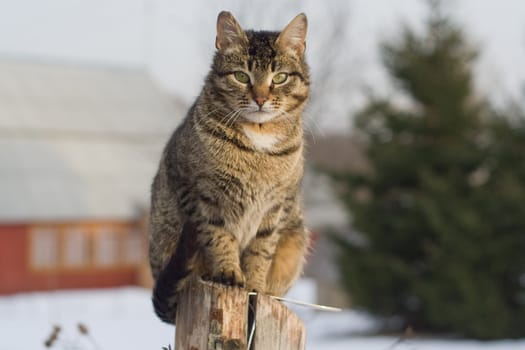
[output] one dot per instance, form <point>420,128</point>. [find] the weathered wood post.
<point>215,317</point>
<point>276,326</point>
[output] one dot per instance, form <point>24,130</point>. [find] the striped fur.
<point>226,202</point>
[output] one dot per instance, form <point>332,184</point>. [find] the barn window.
<point>107,247</point>
<point>44,248</point>
<point>76,247</point>
<point>134,247</point>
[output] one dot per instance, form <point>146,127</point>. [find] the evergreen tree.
<point>441,209</point>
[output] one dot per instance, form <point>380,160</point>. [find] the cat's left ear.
<point>293,37</point>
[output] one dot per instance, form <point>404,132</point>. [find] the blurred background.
<point>415,163</point>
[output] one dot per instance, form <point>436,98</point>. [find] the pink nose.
<point>260,100</point>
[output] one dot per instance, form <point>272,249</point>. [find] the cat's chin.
<point>259,117</point>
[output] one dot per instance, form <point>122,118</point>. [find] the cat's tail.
<point>170,277</point>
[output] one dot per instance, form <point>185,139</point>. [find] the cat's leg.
<point>257,257</point>
<point>289,258</point>
<point>221,255</point>
<point>164,234</point>
<point>217,248</point>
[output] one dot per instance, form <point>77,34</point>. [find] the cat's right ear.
<point>229,32</point>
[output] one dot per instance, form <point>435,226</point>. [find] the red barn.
<point>73,254</point>
<point>79,147</point>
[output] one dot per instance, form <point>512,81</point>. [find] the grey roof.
<point>79,142</point>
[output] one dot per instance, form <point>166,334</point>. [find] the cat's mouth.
<point>259,117</point>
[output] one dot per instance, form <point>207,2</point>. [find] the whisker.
<point>233,118</point>
<point>200,119</point>
<point>224,120</point>
<point>312,120</point>
<point>308,128</point>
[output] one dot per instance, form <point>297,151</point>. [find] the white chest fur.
<point>261,141</point>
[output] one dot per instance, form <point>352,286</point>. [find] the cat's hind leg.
<point>288,261</point>
<point>257,257</point>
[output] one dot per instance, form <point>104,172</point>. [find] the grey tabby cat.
<point>226,202</point>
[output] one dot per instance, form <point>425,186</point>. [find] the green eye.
<point>241,77</point>
<point>279,78</point>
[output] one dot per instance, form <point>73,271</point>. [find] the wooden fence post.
<point>216,317</point>
<point>276,327</point>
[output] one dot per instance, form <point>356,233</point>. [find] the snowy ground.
<point>123,319</point>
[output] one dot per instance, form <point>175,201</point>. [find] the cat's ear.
<point>293,37</point>
<point>229,32</point>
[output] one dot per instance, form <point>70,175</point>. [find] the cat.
<point>226,201</point>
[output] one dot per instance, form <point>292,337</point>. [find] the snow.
<point>123,319</point>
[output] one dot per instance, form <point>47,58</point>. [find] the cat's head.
<point>261,75</point>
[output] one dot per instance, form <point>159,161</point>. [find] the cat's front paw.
<point>230,276</point>
<point>254,286</point>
